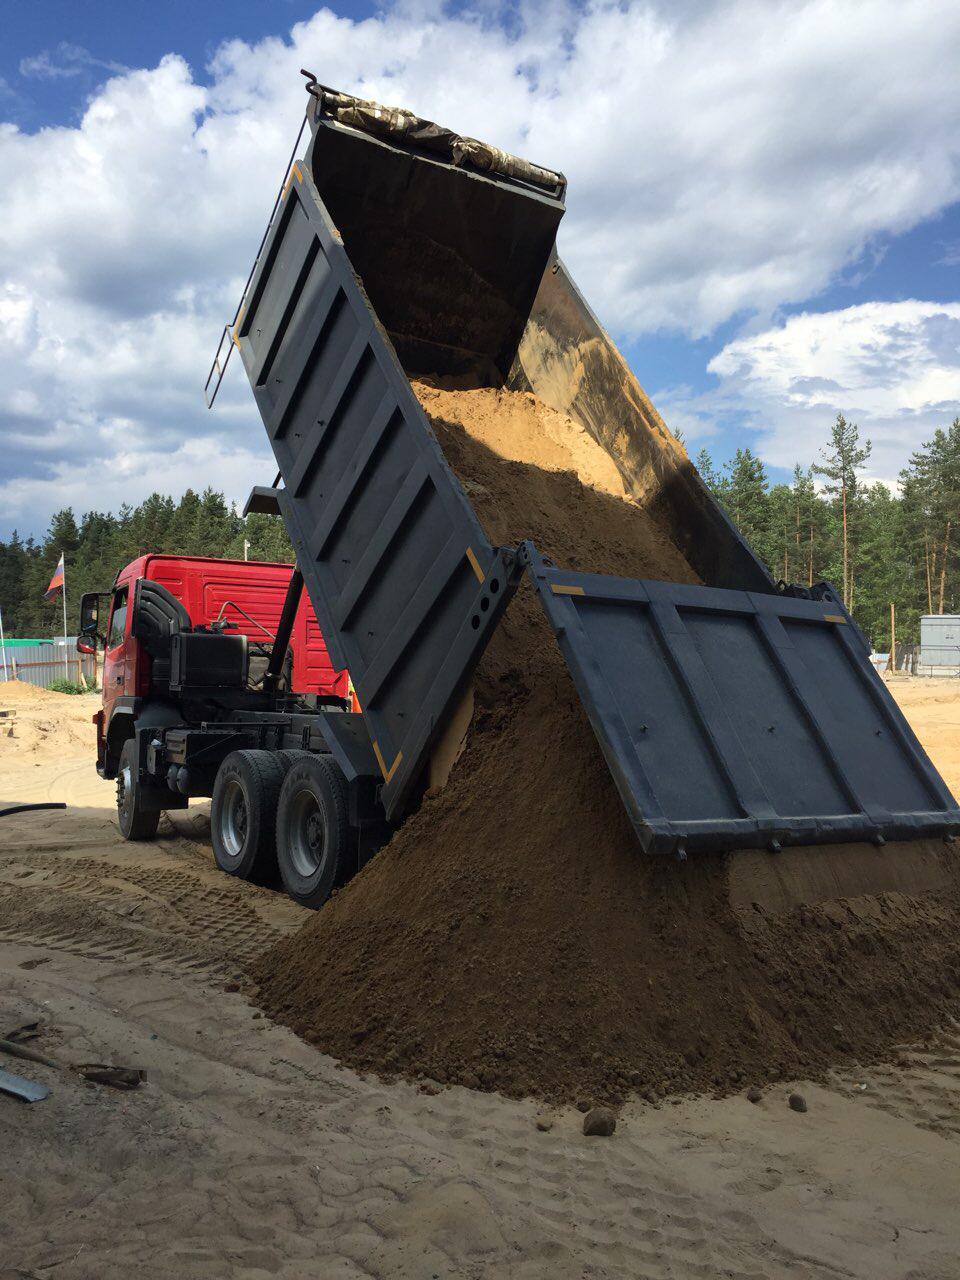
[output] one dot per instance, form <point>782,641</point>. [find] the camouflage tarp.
<point>396,124</point>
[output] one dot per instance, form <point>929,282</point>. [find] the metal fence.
<point>42,664</point>
<point>931,660</point>
<point>938,660</point>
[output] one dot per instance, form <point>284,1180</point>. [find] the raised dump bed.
<point>730,714</point>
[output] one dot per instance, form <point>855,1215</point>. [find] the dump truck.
<point>740,713</point>
<point>142,680</point>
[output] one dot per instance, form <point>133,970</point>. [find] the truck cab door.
<point>115,650</point>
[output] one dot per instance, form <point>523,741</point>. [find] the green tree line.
<point>99,544</point>
<point>877,548</point>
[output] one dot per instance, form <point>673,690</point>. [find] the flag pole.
<point>63,596</point>
<point>3,647</point>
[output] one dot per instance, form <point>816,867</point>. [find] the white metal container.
<point>939,645</point>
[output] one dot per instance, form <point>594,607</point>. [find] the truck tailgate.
<point>734,719</point>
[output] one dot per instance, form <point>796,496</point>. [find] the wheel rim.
<point>307,834</point>
<point>124,788</point>
<point>234,819</point>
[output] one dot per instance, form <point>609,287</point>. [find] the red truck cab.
<point>247,593</point>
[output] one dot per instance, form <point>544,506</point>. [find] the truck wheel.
<point>313,830</point>
<point>135,822</point>
<point>242,811</point>
<point>290,756</point>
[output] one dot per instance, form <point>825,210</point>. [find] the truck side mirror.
<point>89,619</point>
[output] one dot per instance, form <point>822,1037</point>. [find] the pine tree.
<point>184,532</point>
<point>841,461</point>
<point>780,544</point>
<point>744,494</point>
<point>884,570</point>
<point>806,524</point>
<point>708,473</point>
<point>930,485</point>
<point>268,539</point>
<point>13,571</point>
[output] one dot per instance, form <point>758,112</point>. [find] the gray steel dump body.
<point>729,714</point>
<point>406,587</point>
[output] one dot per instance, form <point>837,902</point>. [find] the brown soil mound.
<point>579,526</point>
<point>45,724</point>
<point>513,936</point>
<point>520,428</point>
<point>16,693</point>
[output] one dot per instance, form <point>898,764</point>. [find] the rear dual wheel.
<point>243,813</point>
<point>313,830</point>
<point>282,812</point>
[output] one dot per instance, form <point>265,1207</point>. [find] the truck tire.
<point>242,814</point>
<point>135,822</point>
<point>313,830</point>
<point>290,755</point>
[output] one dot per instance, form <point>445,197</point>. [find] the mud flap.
<point>734,719</point>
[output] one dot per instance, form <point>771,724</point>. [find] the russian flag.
<point>56,582</point>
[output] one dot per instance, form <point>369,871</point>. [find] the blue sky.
<point>134,34</point>
<point>921,263</point>
<point>764,209</point>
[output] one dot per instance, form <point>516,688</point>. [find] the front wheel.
<point>135,822</point>
<point>313,830</point>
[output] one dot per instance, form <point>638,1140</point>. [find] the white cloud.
<point>891,367</point>
<point>724,160</point>
<point>136,468</point>
<point>65,61</point>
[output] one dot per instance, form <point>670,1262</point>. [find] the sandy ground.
<point>933,709</point>
<point>248,1154</point>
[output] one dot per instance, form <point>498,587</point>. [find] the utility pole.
<point>63,597</point>
<point>246,549</point>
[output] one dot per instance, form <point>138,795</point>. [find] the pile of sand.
<point>45,725</point>
<point>18,693</point>
<point>520,428</point>
<point>513,936</point>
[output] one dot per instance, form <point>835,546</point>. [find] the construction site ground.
<point>246,1152</point>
